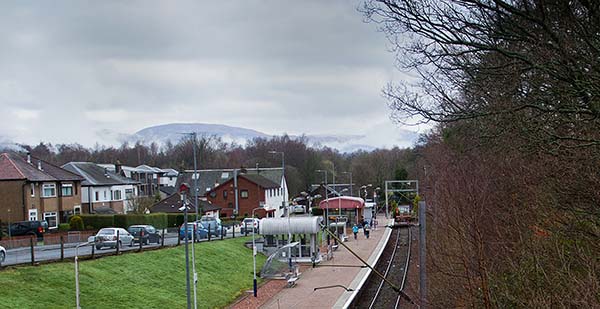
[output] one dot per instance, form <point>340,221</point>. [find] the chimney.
<point>40,165</point>
<point>118,167</point>
<point>29,157</point>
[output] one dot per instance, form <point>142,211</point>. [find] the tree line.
<point>510,170</point>
<point>301,160</point>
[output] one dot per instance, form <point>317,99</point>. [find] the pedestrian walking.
<point>366,229</point>
<point>355,231</point>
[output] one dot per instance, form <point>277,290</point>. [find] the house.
<point>150,179</point>
<point>253,191</point>
<point>33,189</point>
<point>168,178</point>
<point>172,204</point>
<point>211,178</point>
<point>103,188</point>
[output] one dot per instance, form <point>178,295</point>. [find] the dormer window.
<point>224,175</point>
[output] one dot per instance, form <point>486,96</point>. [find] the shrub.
<point>63,227</point>
<point>75,223</point>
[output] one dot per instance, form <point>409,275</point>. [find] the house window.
<point>52,219</point>
<point>224,194</point>
<point>77,209</point>
<point>49,190</point>
<point>129,193</point>
<point>244,194</point>
<point>104,194</point>
<point>66,189</point>
<point>117,195</point>
<point>32,190</point>
<point>97,195</point>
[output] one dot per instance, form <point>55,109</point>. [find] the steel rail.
<point>391,261</point>
<point>405,268</point>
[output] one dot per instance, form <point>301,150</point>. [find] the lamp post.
<point>193,135</point>
<point>254,252</point>
<point>183,190</point>
<point>326,203</point>
<point>77,272</point>
<point>283,203</point>
<point>351,192</point>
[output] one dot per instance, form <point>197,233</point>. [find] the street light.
<point>283,202</point>
<point>326,203</point>
<point>77,271</point>
<point>254,251</point>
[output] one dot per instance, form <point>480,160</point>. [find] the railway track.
<point>393,264</point>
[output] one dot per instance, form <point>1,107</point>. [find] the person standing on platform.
<point>366,230</point>
<point>355,231</point>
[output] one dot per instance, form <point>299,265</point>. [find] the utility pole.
<point>194,234</point>
<point>422,256</point>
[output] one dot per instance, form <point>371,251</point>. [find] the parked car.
<point>213,224</point>
<point>298,209</point>
<point>249,225</point>
<point>197,227</point>
<point>2,254</point>
<point>149,235</point>
<point>107,237</point>
<point>37,228</point>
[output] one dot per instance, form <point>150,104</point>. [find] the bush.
<point>75,223</point>
<point>127,220</point>
<point>98,221</point>
<point>63,227</point>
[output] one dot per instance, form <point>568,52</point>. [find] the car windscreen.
<point>106,232</point>
<point>134,229</point>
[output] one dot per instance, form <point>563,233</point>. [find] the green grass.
<point>152,279</point>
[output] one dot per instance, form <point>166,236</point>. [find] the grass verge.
<point>152,279</point>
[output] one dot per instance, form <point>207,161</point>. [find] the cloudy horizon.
<point>88,72</point>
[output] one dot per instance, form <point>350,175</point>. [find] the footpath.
<point>335,272</point>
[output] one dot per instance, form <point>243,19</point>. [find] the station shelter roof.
<point>343,202</point>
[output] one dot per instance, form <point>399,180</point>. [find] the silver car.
<point>2,254</point>
<point>107,237</point>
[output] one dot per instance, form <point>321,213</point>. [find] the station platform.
<point>275,294</point>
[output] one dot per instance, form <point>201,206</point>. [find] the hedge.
<point>98,221</point>
<point>158,220</point>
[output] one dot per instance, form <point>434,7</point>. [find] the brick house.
<point>209,179</point>
<point>33,189</point>
<point>253,192</point>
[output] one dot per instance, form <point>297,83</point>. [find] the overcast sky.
<point>89,71</point>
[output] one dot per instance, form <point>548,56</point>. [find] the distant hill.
<point>174,132</point>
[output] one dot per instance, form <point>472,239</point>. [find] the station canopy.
<point>343,202</point>
<point>297,225</point>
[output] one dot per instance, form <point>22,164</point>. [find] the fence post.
<point>178,239</point>
<point>117,243</point>
<point>162,239</point>
<point>221,231</point>
<point>93,248</point>
<point>62,248</point>
<point>209,232</point>
<point>245,228</point>
<point>140,239</point>
<point>32,251</point>
<point>233,230</point>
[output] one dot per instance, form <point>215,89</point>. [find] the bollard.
<point>93,249</point>
<point>233,230</point>
<point>62,248</point>
<point>221,232</point>
<point>162,239</point>
<point>245,228</point>
<point>32,251</point>
<point>117,243</point>
<point>178,240</point>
